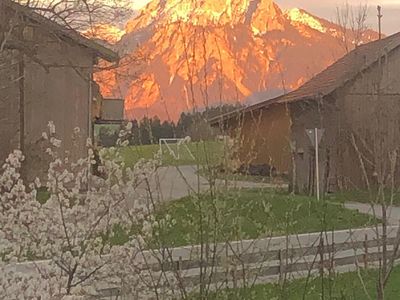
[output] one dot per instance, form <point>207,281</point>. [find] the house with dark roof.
<point>46,74</point>
<point>356,101</point>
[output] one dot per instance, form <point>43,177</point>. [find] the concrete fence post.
<point>280,265</point>
<point>321,255</point>
<point>179,267</point>
<point>365,256</point>
<point>234,279</point>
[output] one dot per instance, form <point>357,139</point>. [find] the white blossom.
<point>55,142</point>
<point>67,231</point>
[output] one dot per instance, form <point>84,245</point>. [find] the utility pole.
<point>380,21</point>
<point>315,136</point>
<point>317,159</point>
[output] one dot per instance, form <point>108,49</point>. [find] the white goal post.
<point>175,146</point>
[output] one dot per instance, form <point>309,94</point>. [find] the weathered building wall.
<point>57,88</point>
<point>9,89</point>
<point>370,126</point>
<point>9,103</point>
<point>263,138</point>
<point>46,79</point>
<point>362,126</point>
<point>112,109</point>
<point>53,83</point>
<point>308,116</point>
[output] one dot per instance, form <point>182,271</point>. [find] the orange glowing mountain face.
<point>206,52</point>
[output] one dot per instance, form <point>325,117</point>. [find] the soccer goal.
<point>176,147</point>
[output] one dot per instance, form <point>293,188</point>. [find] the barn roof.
<point>332,78</point>
<point>63,32</point>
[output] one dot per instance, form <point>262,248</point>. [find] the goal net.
<point>176,148</point>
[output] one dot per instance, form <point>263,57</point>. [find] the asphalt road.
<point>171,183</point>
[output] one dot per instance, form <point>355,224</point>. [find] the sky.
<point>326,9</point>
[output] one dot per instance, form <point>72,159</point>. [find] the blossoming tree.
<point>67,237</point>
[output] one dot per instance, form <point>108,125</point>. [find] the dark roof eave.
<point>265,104</point>
<point>114,99</point>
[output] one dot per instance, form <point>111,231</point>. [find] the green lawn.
<point>205,153</point>
<point>346,286</point>
<point>250,214</point>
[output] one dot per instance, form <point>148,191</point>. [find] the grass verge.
<point>205,153</point>
<point>250,214</point>
<point>347,286</point>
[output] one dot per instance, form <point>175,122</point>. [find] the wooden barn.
<point>355,101</point>
<point>262,135</point>
<point>46,74</point>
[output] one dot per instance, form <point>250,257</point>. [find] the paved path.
<point>171,183</point>
<point>393,212</point>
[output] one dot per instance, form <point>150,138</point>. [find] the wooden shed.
<point>261,134</point>
<point>46,74</point>
<point>356,101</point>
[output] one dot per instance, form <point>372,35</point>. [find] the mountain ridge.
<point>202,53</point>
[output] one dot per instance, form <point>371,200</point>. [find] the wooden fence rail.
<point>243,263</point>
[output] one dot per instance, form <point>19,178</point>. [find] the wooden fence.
<point>245,263</point>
